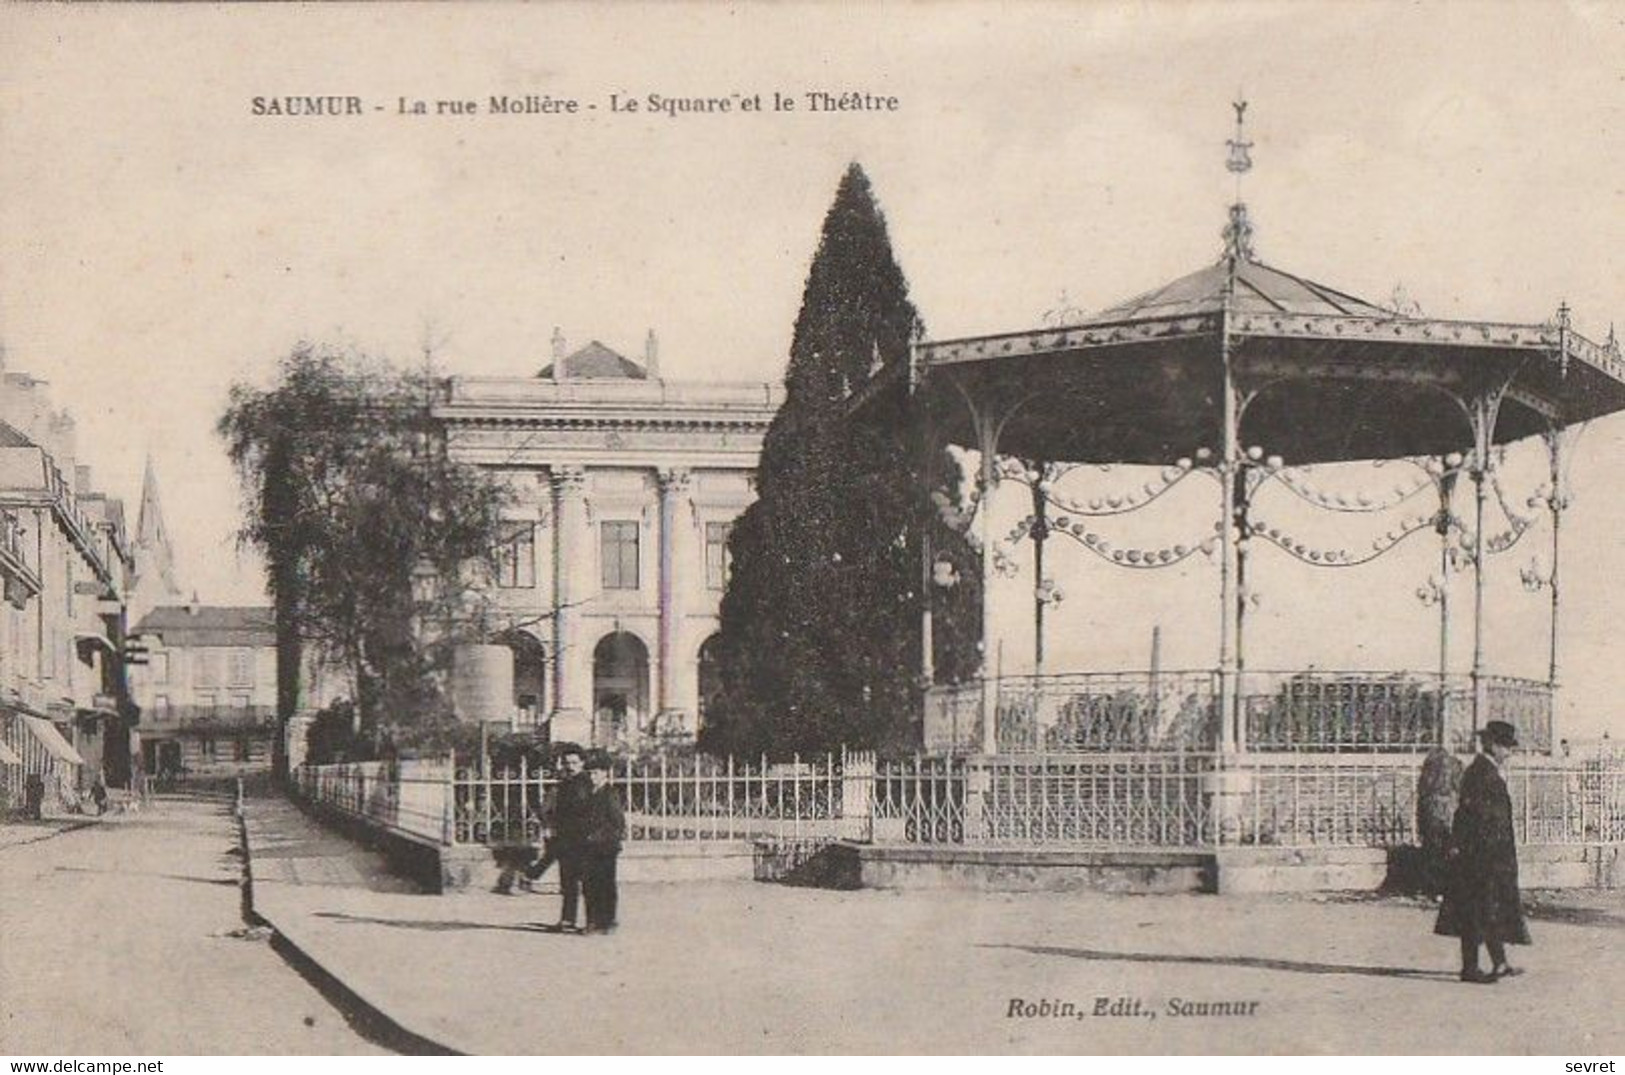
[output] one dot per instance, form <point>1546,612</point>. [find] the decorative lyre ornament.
<point>1241,159</point>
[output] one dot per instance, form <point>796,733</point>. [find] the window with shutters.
<point>240,666</point>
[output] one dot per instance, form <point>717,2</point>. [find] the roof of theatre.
<point>597,362</point>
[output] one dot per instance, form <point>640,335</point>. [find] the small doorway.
<point>161,758</point>
<point>620,687</point>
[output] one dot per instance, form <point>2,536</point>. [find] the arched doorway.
<point>529,676</point>
<point>620,687</point>
<point>710,677</point>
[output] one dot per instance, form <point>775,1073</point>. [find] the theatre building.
<point>615,557</point>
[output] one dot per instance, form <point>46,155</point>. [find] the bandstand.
<point>1244,375</point>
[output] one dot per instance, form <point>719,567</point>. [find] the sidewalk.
<point>754,968</point>
<point>16,833</point>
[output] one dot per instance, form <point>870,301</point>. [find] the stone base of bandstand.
<point>1225,870</point>
<point>1161,872</point>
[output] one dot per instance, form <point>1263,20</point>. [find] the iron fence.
<point>1338,800</point>
<point>683,798</point>
<point>406,797</point>
<point>1569,804</point>
<point>1124,800</point>
<point>1146,799</point>
<point>920,801</point>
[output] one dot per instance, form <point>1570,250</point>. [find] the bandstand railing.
<point>1109,711</point>
<point>1316,711</point>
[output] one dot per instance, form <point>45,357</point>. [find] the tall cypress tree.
<point>821,620</point>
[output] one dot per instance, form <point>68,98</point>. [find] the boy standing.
<point>603,830</point>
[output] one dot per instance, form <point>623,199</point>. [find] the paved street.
<point>125,937</point>
<point>741,967</point>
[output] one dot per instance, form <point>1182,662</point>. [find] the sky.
<point>158,241</point>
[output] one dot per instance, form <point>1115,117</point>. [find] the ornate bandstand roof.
<point>1325,376</point>
<point>1259,289</point>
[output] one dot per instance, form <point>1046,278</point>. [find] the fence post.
<point>857,795</point>
<point>978,786</point>
<point>448,800</point>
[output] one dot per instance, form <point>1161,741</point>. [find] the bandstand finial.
<point>1238,233</point>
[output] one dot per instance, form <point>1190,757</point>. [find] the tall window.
<point>716,555</point>
<point>158,667</point>
<point>240,667</point>
<point>618,555</point>
<point>516,558</point>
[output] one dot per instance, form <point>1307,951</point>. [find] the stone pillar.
<point>572,551</point>
<point>676,569</point>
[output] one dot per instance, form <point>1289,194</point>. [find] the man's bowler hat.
<point>1499,731</point>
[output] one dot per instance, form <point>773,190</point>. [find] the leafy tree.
<point>330,737</point>
<point>820,636</point>
<point>347,489</point>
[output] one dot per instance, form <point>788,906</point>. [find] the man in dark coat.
<point>1481,903</point>
<point>602,831</point>
<point>566,797</point>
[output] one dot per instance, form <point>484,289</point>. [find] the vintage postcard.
<point>811,528</point>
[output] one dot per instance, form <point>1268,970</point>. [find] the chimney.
<point>559,372</point>
<point>651,356</point>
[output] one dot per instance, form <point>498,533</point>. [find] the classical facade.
<point>612,573</point>
<point>64,562</point>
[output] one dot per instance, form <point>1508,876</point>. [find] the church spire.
<point>154,582</point>
<point>150,525</point>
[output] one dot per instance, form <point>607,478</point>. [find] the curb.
<point>369,1018</point>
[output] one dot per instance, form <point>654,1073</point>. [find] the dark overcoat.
<point>603,822</point>
<point>570,813</point>
<point>1481,896</point>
